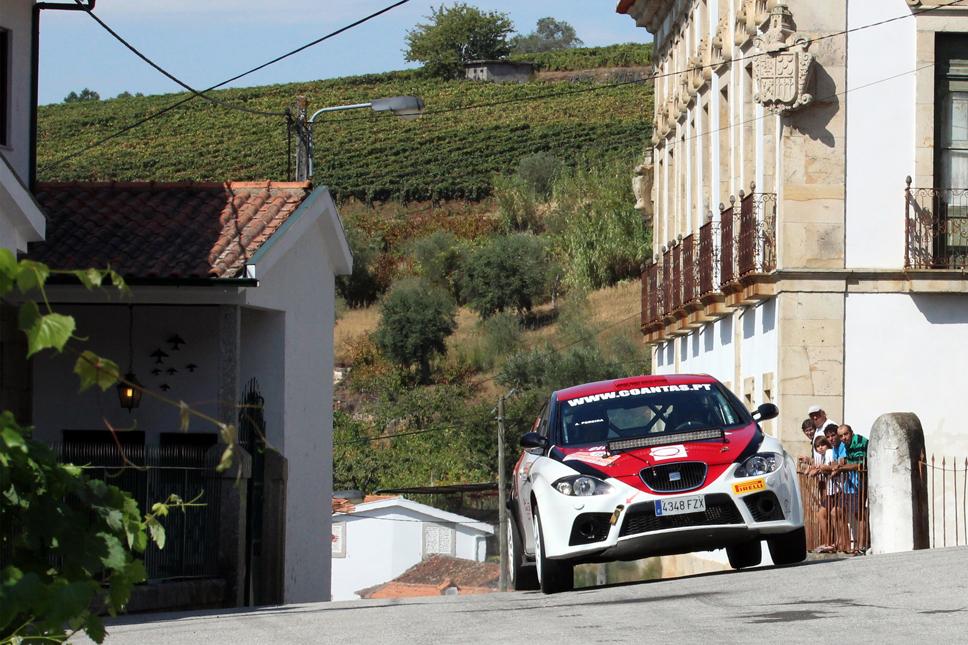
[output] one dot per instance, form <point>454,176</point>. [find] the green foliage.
<point>84,95</point>
<point>549,35</point>
<point>625,55</point>
<point>455,35</point>
<point>517,206</point>
<point>508,273</point>
<point>599,237</point>
<point>362,287</point>
<point>538,172</point>
<point>498,336</point>
<point>449,153</point>
<point>73,550</point>
<point>438,259</point>
<point>584,357</point>
<point>443,437</point>
<point>415,320</point>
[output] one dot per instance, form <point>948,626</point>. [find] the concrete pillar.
<point>898,497</point>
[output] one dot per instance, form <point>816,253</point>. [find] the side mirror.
<point>533,440</point>
<point>765,412</point>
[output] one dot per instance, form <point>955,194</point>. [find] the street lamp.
<point>405,107</point>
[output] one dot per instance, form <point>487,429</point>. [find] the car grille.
<point>641,518</point>
<point>674,478</point>
<point>764,507</point>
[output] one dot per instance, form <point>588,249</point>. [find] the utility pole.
<point>502,497</point>
<point>303,140</point>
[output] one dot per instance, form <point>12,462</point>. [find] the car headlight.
<point>759,464</point>
<point>581,486</point>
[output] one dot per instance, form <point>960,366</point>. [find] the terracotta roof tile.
<point>162,230</point>
<point>432,576</point>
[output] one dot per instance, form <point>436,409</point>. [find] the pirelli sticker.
<point>751,486</point>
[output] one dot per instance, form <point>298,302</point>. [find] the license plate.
<point>681,505</point>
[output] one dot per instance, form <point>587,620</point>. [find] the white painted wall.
<point>907,353</point>
<point>263,342</point>
<point>758,348</point>
<point>15,17</point>
<point>880,132</point>
<point>389,540</point>
<point>58,405</point>
<point>302,284</point>
<point>707,350</point>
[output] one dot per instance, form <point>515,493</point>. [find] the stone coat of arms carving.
<point>783,69</point>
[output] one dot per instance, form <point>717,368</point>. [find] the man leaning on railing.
<point>851,456</point>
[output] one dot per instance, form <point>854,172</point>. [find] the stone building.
<point>499,71</point>
<point>808,193</point>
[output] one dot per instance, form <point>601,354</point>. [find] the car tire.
<point>521,576</point>
<point>554,576</point>
<point>788,548</point>
<point>745,554</point>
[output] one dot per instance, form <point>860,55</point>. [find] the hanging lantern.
<point>129,389</point>
<point>129,392</point>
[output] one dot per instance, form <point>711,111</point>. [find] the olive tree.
<point>415,320</point>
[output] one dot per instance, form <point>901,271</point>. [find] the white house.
<point>793,260</point>
<point>377,540</point>
<point>230,282</point>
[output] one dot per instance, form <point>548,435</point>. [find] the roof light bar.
<point>664,439</point>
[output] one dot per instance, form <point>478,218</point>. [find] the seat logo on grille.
<point>675,476</point>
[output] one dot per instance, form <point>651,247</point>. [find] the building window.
<point>339,539</point>
<point>951,137</point>
<point>4,87</point>
<point>438,539</point>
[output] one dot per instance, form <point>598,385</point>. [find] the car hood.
<point>627,464</point>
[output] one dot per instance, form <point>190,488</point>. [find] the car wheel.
<point>746,554</point>
<point>788,548</point>
<point>521,576</point>
<point>553,575</point>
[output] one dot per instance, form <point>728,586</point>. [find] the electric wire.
<point>60,161</point>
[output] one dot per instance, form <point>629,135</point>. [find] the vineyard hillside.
<point>469,132</point>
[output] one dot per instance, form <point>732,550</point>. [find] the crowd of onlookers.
<point>838,465</point>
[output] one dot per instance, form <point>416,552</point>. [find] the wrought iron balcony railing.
<point>720,258</point>
<point>936,228</point>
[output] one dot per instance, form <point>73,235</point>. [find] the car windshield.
<point>639,412</point>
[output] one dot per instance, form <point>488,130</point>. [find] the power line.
<point>431,113</point>
<point>652,77</point>
<point>158,113</point>
<point>168,74</point>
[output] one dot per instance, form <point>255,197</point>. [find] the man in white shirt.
<point>819,419</point>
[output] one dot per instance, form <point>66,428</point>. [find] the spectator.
<point>829,515</point>
<point>819,418</point>
<point>851,457</point>
<point>808,431</point>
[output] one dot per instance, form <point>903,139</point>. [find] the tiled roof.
<point>435,574</point>
<point>162,230</point>
<point>435,569</point>
<point>343,505</point>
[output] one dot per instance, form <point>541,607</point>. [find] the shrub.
<point>362,287</point>
<point>438,258</point>
<point>509,273</point>
<point>498,336</point>
<point>416,319</point>
<point>538,172</point>
<point>517,206</point>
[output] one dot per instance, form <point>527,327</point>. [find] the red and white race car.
<point>646,466</point>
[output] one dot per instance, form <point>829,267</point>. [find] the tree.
<point>510,273</point>
<point>438,258</point>
<point>416,319</point>
<point>455,35</point>
<point>549,35</point>
<point>85,95</point>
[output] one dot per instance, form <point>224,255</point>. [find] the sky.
<point>204,42</point>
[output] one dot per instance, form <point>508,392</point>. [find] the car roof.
<point>629,382</point>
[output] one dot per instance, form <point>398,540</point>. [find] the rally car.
<point>647,466</point>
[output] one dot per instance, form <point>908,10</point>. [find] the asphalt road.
<point>896,598</point>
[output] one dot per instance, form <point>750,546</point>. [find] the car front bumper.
<point>622,525</point>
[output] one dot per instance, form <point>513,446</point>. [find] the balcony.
<point>703,268</point>
<point>936,228</point>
